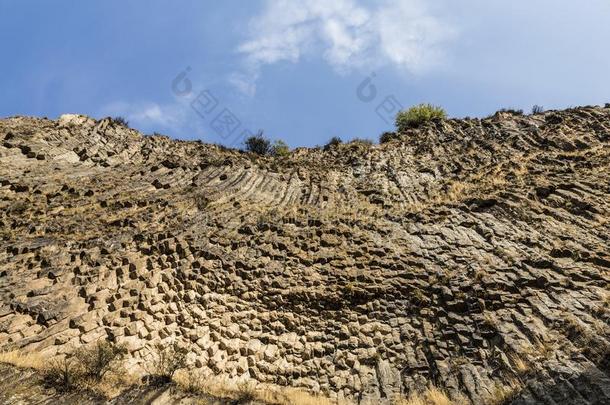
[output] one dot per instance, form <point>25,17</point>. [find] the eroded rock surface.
<point>360,272</point>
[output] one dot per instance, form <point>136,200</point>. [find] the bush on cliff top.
<point>417,115</point>
<point>258,144</point>
<point>280,148</point>
<point>333,142</point>
<point>121,121</point>
<point>261,145</point>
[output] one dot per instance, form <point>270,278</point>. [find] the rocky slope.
<point>469,254</point>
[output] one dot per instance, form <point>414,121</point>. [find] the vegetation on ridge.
<point>262,146</point>
<point>417,115</point>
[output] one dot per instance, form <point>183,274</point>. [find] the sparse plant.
<point>167,360</point>
<point>350,289</point>
<point>430,396</point>
<point>22,359</point>
<point>419,298</point>
<point>605,299</point>
<point>511,111</point>
<point>479,275</point>
<point>573,325</point>
<point>121,121</point>
<point>387,136</point>
<point>258,144</point>
<point>361,141</point>
<point>99,359</point>
<point>490,321</point>
<point>190,382</point>
<point>280,148</point>
<point>246,392</point>
<point>333,142</point>
<point>18,208</point>
<point>62,374</point>
<point>537,109</point>
<point>541,349</point>
<point>520,365</point>
<point>502,394</point>
<point>417,115</point>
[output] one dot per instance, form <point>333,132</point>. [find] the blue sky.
<point>297,69</point>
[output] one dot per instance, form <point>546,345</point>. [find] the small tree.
<point>280,148</point>
<point>417,115</point>
<point>334,141</point>
<point>537,109</point>
<point>258,144</point>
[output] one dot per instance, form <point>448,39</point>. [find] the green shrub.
<point>387,136</point>
<point>280,148</point>
<point>417,115</point>
<point>258,144</point>
<point>334,141</point>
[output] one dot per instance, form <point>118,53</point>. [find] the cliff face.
<point>467,254</point>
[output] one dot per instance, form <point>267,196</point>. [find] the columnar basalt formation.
<point>465,254</point>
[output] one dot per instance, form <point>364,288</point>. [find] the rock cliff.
<point>468,254</point>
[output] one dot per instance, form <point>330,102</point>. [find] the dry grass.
<point>456,191</point>
<point>520,365</point>
<point>541,350</point>
<point>245,390</point>
<point>603,308</point>
<point>110,386</point>
<point>115,381</point>
<point>73,373</point>
<point>503,393</point>
<point>605,298</point>
<point>573,325</point>
<point>490,321</point>
<point>21,359</point>
<point>431,396</point>
<point>479,275</point>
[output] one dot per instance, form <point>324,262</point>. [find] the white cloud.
<point>148,115</point>
<point>348,35</point>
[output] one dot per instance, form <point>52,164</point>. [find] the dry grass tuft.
<point>503,393</point>
<point>520,365</point>
<point>573,325</point>
<point>490,321</point>
<point>87,369</point>
<point>431,396</point>
<point>22,359</point>
<point>245,390</point>
<point>541,350</point>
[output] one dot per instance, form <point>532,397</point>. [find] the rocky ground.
<point>469,254</point>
